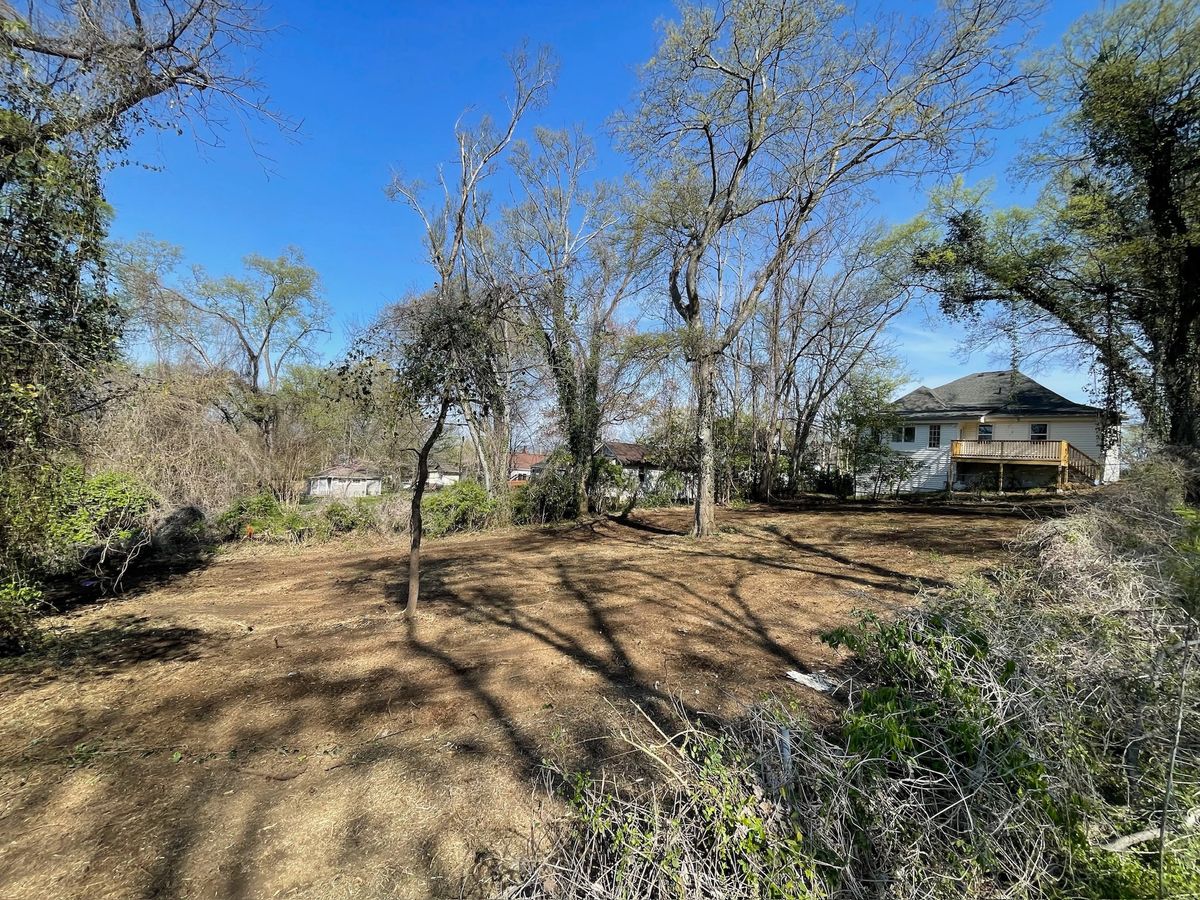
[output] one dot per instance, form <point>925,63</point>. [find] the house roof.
<point>352,471</point>
<point>1004,393</point>
<point>524,460</point>
<point>627,454</point>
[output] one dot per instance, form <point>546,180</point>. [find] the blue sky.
<point>377,87</point>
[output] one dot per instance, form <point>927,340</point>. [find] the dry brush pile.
<point>1035,733</point>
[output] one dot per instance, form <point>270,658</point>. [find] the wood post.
<point>1000,481</point>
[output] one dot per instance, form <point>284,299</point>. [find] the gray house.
<point>346,480</point>
<point>1001,429</point>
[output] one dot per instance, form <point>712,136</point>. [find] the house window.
<point>935,435</point>
<point>906,434</point>
<point>985,432</point>
<point>1039,432</point>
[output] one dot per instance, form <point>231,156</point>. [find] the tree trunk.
<point>581,510</point>
<point>1183,402</point>
<point>706,400</point>
<point>414,524</point>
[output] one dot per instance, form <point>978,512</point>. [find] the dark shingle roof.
<point>1004,393</point>
<point>625,453</point>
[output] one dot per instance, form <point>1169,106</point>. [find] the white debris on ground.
<point>817,681</point>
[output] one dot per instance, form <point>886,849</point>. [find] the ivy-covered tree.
<point>575,264</point>
<point>59,326</point>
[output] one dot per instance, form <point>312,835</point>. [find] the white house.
<point>634,462</point>
<point>1001,429</point>
<point>346,480</point>
<point>442,476</point>
<point>439,477</point>
<point>521,465</point>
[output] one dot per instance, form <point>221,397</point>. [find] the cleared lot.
<point>270,726</point>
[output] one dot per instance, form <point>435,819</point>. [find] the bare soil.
<point>270,725</point>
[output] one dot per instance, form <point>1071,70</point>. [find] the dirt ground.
<point>270,726</point>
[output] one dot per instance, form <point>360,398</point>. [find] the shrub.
<point>716,828</point>
<point>251,514</point>
<point>262,516</point>
<point>612,487</point>
<point>392,514</point>
<point>343,518</point>
<point>825,481</point>
<point>464,506</point>
<point>53,516</point>
<point>667,491</point>
<point>19,607</point>
<point>551,495</point>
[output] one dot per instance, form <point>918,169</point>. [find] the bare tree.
<point>759,111</point>
<point>252,326</point>
<point>107,65</point>
<point>456,236</point>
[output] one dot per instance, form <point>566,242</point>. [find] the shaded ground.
<point>271,727</point>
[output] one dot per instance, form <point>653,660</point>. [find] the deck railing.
<point>1054,452</point>
<point>1051,453</point>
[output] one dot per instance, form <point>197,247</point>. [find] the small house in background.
<point>439,477</point>
<point>346,480</point>
<point>442,476</point>
<point>1001,430</point>
<point>633,460</point>
<point>521,465</point>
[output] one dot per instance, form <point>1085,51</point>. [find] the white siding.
<point>344,487</point>
<point>933,463</point>
<point>1081,432</point>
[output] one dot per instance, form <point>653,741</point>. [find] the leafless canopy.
<point>76,67</point>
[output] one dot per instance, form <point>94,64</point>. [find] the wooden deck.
<point>1070,460</point>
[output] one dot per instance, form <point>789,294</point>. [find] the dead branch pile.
<point>1033,734</point>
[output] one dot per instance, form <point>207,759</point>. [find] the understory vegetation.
<point>57,521</point>
<point>1034,733</point>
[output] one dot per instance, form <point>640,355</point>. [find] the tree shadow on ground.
<point>330,744</point>
<point>97,651</point>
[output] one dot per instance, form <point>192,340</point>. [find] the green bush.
<point>53,515</point>
<point>1100,875</point>
<point>19,632</point>
<point>250,515</point>
<point>612,487</point>
<point>464,506</point>
<point>262,517</point>
<point>667,491</point>
<point>343,518</point>
<point>55,520</point>
<point>551,495</point>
